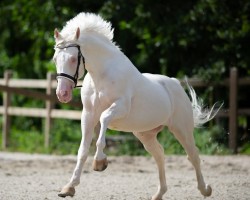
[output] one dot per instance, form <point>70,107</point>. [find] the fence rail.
<point>24,87</point>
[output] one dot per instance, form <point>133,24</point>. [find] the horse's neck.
<point>99,55</point>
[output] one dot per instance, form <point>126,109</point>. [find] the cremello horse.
<point>117,96</point>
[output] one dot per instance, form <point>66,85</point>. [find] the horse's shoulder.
<point>87,85</point>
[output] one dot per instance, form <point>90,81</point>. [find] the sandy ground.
<point>35,177</point>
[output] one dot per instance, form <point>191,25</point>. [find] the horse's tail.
<point>201,114</point>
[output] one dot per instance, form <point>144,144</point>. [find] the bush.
<point>203,139</point>
<point>65,138</point>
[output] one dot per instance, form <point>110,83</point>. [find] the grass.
<point>203,139</point>
<point>65,138</point>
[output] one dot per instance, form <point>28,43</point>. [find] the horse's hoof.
<point>207,192</point>
<point>100,165</point>
<point>67,191</point>
<point>154,198</point>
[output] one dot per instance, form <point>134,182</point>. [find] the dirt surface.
<point>35,177</point>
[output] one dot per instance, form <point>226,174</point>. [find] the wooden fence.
<point>23,87</point>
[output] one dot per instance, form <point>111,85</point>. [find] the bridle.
<point>75,77</point>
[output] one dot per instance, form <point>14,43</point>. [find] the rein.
<point>75,77</point>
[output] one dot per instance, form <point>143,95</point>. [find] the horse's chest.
<point>104,99</point>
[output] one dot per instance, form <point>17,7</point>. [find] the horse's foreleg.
<point>87,126</point>
<point>151,144</point>
<point>102,163</point>
<point>117,110</point>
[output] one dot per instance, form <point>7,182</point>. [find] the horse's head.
<point>69,64</point>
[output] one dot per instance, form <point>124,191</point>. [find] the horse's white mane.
<point>88,23</point>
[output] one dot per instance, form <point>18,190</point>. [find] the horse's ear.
<point>77,35</point>
<point>57,35</point>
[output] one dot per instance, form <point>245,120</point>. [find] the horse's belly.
<point>145,114</point>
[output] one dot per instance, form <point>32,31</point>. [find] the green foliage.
<point>202,38</point>
<point>123,144</point>
<point>26,38</point>
<point>26,138</point>
<point>66,136</point>
<point>245,149</point>
<point>203,138</point>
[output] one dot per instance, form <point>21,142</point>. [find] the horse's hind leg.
<point>187,141</point>
<point>151,144</point>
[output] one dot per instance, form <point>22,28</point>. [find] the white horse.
<point>117,96</point>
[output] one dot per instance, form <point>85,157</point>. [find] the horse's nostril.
<point>63,93</point>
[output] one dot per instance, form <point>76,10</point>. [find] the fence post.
<point>233,109</point>
<point>49,106</point>
<point>6,116</point>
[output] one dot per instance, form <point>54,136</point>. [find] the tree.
<point>203,38</point>
<point>26,38</point>
<point>197,37</point>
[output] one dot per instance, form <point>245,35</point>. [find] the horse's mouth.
<point>64,100</point>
